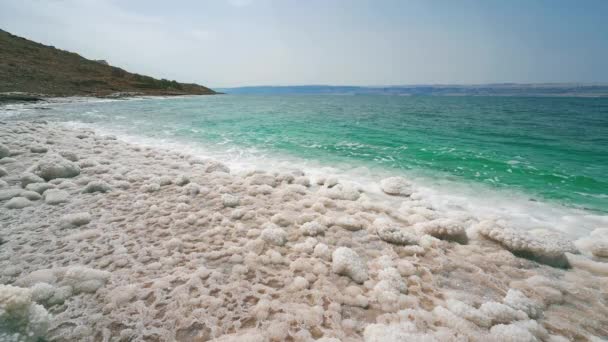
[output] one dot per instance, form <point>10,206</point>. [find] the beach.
<point>104,240</point>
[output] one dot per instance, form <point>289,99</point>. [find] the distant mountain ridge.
<point>505,89</point>
<point>30,67</point>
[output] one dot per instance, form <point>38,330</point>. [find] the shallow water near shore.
<point>540,162</point>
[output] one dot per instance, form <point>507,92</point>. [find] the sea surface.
<point>543,161</point>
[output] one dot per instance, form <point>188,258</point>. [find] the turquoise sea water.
<point>550,149</point>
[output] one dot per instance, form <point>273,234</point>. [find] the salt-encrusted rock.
<point>54,166</point>
<point>282,219</point>
<point>262,179</point>
<point>164,180</point>
<point>501,313</point>
<point>96,186</point>
<point>21,319</point>
<point>349,223</point>
<point>69,155</point>
<point>192,189</point>
<point>31,195</point>
<point>347,262</point>
<point>600,249</point>
<point>511,333</point>
<point>469,313</point>
<point>181,180</point>
<point>150,187</point>
<point>55,196</point>
<point>29,178</point>
<point>396,186</point>
<point>302,180</point>
<point>393,234</point>
<point>18,203</point>
<point>39,187</point>
<point>38,149</point>
<point>85,279</point>
<point>210,166</point>
<point>446,229</point>
<point>274,235</point>
<point>4,151</point>
<point>7,194</point>
<point>322,251</point>
<point>3,172</point>
<point>307,246</point>
<point>348,192</point>
<point>519,301</point>
<point>313,228</point>
<point>550,251</point>
<point>230,201</point>
<point>76,219</point>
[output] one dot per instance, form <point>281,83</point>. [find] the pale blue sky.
<point>357,42</point>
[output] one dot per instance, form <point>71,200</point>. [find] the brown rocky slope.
<point>30,67</point>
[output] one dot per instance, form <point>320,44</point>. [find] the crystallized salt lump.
<point>18,203</point>
<point>4,151</point>
<point>230,201</point>
<point>55,196</point>
<point>54,166</point>
<point>96,186</point>
<point>445,229</point>
<point>76,219</point>
<point>28,178</point>
<point>21,319</point>
<point>391,233</point>
<point>6,194</point>
<point>345,261</point>
<point>396,186</point>
<point>550,251</point>
<point>313,228</point>
<point>274,235</point>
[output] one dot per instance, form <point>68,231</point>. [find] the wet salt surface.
<point>148,244</point>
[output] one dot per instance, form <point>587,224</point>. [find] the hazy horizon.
<point>238,43</point>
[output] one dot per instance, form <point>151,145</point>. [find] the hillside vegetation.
<point>27,66</point>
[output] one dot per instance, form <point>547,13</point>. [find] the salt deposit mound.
<point>122,242</point>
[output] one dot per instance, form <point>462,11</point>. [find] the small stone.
<point>31,195</point>
<point>4,151</point>
<point>38,149</point>
<point>54,166</point>
<point>96,186</point>
<point>77,219</point>
<point>9,193</point>
<point>396,186</point>
<point>230,201</point>
<point>54,196</point>
<point>39,187</point>
<point>69,155</point>
<point>274,235</point>
<point>29,178</point>
<point>18,203</point>
<point>3,172</point>
<point>347,262</point>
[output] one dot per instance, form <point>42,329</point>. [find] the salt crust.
<point>163,253</point>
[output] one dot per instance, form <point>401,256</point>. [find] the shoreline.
<point>143,243</point>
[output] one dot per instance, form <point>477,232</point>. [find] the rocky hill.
<point>30,67</point>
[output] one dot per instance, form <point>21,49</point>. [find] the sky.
<point>228,43</point>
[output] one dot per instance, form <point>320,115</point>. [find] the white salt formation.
<point>55,166</point>
<point>21,319</point>
<point>397,186</point>
<point>347,262</point>
<point>120,242</point>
